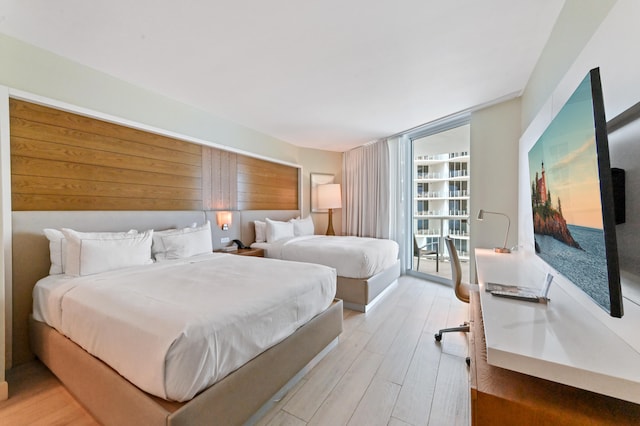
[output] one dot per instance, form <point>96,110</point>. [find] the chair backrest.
<point>462,291</point>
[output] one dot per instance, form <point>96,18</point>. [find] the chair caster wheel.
<point>438,337</point>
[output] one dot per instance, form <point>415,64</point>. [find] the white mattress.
<point>175,328</point>
<point>352,257</point>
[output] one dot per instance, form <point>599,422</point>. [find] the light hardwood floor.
<point>386,370</point>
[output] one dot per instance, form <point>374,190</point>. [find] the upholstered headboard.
<point>31,252</point>
<point>247,230</point>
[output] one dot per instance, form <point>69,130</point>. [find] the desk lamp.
<point>504,248</point>
<point>329,198</point>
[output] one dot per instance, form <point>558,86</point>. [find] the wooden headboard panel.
<point>66,161</point>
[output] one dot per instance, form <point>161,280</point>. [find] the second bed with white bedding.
<point>174,328</point>
<point>352,257</point>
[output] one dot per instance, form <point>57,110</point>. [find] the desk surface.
<point>561,341</point>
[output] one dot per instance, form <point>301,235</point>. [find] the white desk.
<point>561,341</point>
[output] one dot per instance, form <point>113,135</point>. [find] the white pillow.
<point>277,230</point>
<point>57,250</point>
<point>303,226</point>
<point>94,252</point>
<point>181,243</point>
<point>261,231</point>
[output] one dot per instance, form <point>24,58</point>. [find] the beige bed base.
<point>112,400</point>
<point>106,394</point>
<point>361,294</point>
<point>358,294</point>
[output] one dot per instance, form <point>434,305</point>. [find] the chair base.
<point>462,328</point>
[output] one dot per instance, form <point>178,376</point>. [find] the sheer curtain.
<point>365,179</point>
<point>400,198</point>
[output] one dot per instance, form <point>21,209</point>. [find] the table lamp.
<point>329,197</point>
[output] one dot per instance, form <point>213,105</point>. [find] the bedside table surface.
<point>258,252</point>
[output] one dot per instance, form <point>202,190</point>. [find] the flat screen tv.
<point>572,197</point>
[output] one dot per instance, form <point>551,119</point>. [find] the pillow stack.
<point>182,243</point>
<point>272,230</point>
<point>86,253</point>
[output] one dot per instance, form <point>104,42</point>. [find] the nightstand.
<point>257,252</point>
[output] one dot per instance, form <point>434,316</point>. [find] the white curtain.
<point>365,179</point>
<point>400,198</point>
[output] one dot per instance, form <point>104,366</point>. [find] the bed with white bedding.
<point>366,267</point>
<point>186,323</point>
<point>147,346</point>
<point>353,257</point>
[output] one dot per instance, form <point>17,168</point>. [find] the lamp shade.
<point>224,220</point>
<point>329,196</point>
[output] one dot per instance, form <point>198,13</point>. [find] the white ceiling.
<point>329,74</point>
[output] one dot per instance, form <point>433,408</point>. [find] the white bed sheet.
<point>352,257</point>
<point>174,328</point>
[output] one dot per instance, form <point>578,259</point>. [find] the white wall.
<point>575,26</point>
<point>624,148</point>
<point>495,132</point>
<point>316,161</point>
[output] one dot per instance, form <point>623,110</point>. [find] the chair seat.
<point>463,291</point>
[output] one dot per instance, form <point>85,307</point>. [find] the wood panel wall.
<point>266,186</point>
<point>66,161</point>
<point>220,182</point>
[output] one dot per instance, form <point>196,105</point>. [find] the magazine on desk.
<point>526,294</point>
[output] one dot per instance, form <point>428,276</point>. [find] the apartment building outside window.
<point>440,188</point>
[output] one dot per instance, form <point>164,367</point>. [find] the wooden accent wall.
<point>266,186</point>
<point>220,180</point>
<point>66,161</point>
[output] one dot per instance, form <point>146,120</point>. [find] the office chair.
<point>424,251</point>
<point>461,289</point>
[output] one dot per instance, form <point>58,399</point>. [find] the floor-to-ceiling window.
<point>440,198</point>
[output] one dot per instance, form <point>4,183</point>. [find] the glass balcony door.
<point>440,200</point>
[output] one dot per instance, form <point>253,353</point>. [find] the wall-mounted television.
<point>572,197</point>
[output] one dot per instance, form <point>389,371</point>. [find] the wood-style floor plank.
<point>345,397</point>
<point>386,370</point>
<point>414,402</point>
<point>376,405</point>
<point>398,358</point>
<point>447,408</point>
<point>325,376</point>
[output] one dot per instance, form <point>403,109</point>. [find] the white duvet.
<point>352,257</point>
<point>175,328</point>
